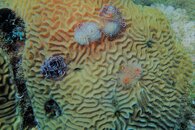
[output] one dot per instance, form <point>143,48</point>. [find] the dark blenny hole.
<point>117,113</point>
<point>77,69</point>
<point>149,43</point>
<point>52,109</point>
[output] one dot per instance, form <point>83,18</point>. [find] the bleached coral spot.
<point>86,33</point>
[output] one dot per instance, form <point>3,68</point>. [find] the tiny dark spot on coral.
<point>173,83</point>
<point>117,113</point>
<point>21,88</point>
<point>127,120</point>
<point>149,43</point>
<point>193,103</point>
<point>52,108</point>
<point>188,115</point>
<point>114,102</point>
<point>77,69</point>
<point>108,129</point>
<point>143,2</point>
<point>92,127</point>
<point>183,126</point>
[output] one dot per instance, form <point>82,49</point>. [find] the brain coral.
<point>90,96</point>
<point>9,118</point>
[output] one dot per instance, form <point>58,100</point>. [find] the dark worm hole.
<point>77,69</point>
<point>52,108</point>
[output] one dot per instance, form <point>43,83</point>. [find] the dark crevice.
<point>11,27</point>
<point>117,113</point>
<point>77,69</point>
<point>7,20</point>
<point>12,41</point>
<point>29,118</point>
<point>149,43</point>
<point>52,108</point>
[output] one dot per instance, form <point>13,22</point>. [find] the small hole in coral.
<point>173,83</point>
<point>117,113</point>
<point>114,102</point>
<point>77,69</point>
<point>149,43</point>
<point>52,109</point>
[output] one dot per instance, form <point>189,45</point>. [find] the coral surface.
<point>9,117</point>
<point>90,96</point>
<point>184,29</point>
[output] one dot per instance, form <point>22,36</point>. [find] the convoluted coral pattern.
<point>90,96</point>
<point>9,118</point>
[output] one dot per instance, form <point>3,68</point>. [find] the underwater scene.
<point>97,64</point>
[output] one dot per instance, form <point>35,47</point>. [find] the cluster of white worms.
<point>111,23</point>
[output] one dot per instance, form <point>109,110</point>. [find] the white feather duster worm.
<point>86,33</point>
<point>111,28</point>
<point>112,20</point>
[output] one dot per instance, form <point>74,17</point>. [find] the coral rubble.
<point>180,23</point>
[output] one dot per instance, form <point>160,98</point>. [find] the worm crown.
<point>54,67</point>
